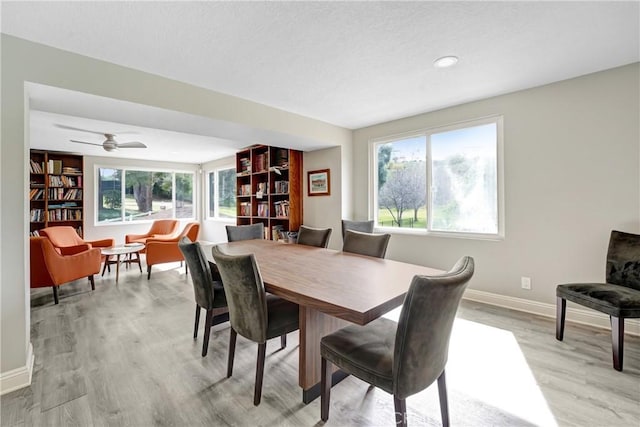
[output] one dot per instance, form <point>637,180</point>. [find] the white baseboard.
<point>18,378</point>
<point>585,317</point>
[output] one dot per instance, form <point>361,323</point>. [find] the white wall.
<point>213,230</point>
<point>571,161</point>
<point>23,62</point>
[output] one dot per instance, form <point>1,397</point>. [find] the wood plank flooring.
<point>123,355</point>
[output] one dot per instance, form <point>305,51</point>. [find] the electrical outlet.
<point>525,282</point>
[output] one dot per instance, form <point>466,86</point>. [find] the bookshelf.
<point>269,188</point>
<point>55,190</point>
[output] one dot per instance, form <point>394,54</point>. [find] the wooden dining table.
<point>332,289</point>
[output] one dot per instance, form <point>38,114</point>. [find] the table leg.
<point>117,267</point>
<point>313,326</point>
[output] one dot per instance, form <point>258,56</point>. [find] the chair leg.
<point>93,284</point>
<point>257,394</point>
<point>148,272</point>
<point>232,350</point>
<point>207,332</point>
<point>325,389</point>
<point>444,404</point>
<point>55,294</point>
<point>401,411</point>
<point>283,341</point>
<point>186,268</point>
<point>617,341</point>
<point>197,323</point>
<point>561,309</point>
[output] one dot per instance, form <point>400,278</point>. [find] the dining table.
<point>332,288</point>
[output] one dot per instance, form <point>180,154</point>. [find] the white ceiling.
<point>352,64</point>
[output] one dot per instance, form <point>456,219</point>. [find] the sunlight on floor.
<point>487,364</point>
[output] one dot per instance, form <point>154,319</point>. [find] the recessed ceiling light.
<point>445,61</point>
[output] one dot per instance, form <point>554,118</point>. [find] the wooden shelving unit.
<point>269,188</point>
<point>55,190</point>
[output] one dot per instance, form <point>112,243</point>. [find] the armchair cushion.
<point>72,250</point>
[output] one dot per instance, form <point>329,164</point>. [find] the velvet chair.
<point>161,250</point>
<point>406,357</point>
<point>160,229</point>
<point>619,297</point>
<point>363,226</point>
<point>63,237</point>
<point>374,245</point>
<point>252,313</point>
<point>245,232</point>
<point>309,236</point>
<point>50,268</point>
<point>209,294</point>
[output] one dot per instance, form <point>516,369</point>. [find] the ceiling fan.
<point>109,144</point>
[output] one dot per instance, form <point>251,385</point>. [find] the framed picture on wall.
<point>319,182</point>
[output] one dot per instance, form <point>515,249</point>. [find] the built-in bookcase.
<point>269,188</point>
<point>55,190</point>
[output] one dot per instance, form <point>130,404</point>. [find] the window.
<point>222,193</point>
<point>139,195</point>
<point>444,180</point>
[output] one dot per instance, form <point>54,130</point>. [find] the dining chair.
<point>619,296</point>
<point>374,245</point>
<point>363,226</point>
<point>310,236</point>
<point>245,232</point>
<point>209,294</point>
<point>162,250</point>
<point>401,358</point>
<point>253,313</point>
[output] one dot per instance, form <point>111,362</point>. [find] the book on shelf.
<point>281,157</point>
<point>71,170</point>
<point>35,167</point>
<point>263,209</point>
<point>245,209</point>
<point>34,233</point>
<point>36,194</point>
<point>276,232</point>
<point>281,209</point>
<point>281,187</point>
<point>261,162</point>
<point>245,190</point>
<point>54,167</point>
<point>245,166</point>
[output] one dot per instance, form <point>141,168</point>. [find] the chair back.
<point>363,226</point>
<point>62,236</point>
<point>424,328</point>
<point>374,245</point>
<point>191,231</point>
<point>245,293</point>
<point>318,237</point>
<point>163,226</point>
<point>623,260</point>
<point>200,272</point>
<point>245,232</point>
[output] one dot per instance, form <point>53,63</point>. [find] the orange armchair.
<point>160,229</point>
<point>50,268</point>
<point>65,237</point>
<point>161,250</point>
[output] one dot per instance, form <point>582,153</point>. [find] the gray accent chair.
<point>374,245</point>
<point>252,313</point>
<point>363,226</point>
<point>209,293</point>
<point>406,357</point>
<point>619,297</point>
<point>310,236</point>
<point>245,232</point>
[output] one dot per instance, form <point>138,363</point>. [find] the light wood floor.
<point>124,355</point>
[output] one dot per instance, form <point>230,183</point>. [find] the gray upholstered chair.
<point>209,293</point>
<point>252,313</point>
<point>363,226</point>
<point>369,244</point>
<point>314,236</point>
<point>245,232</point>
<point>619,297</point>
<point>406,357</point>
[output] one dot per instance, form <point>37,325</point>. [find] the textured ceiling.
<point>352,64</point>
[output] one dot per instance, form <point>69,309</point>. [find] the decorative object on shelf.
<point>319,182</point>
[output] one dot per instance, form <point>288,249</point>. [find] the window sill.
<point>443,234</point>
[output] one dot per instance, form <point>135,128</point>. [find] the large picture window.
<point>138,195</point>
<point>443,180</point>
<point>222,193</point>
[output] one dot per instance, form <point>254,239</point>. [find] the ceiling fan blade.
<point>84,142</point>
<point>78,129</point>
<point>132,144</point>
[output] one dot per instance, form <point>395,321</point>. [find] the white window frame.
<point>427,132</point>
<point>216,195</point>
<point>173,173</point>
